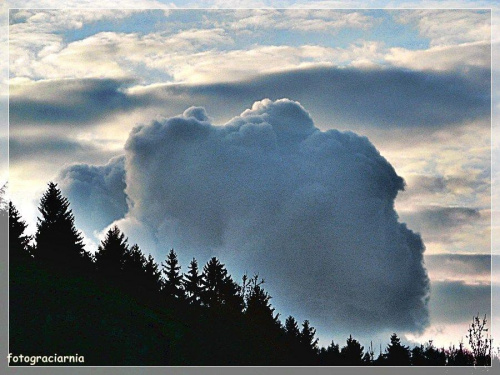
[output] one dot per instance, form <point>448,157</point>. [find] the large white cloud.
<point>268,192</point>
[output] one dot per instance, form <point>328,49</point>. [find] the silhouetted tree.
<point>133,269</point>
<point>292,328</point>
<point>479,341</point>
<point>152,275</point>
<point>57,240</point>
<point>257,302</point>
<point>192,283</point>
<point>111,253</point>
<point>352,353</point>
<point>172,284</point>
<point>434,356</point>
<point>397,354</point>
<point>219,289</point>
<point>330,356</point>
<point>307,340</point>
<point>460,356</point>
<point>4,214</point>
<point>418,356</point>
<point>18,241</point>
<point>369,357</point>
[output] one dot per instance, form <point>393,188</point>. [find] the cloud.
<point>463,57</point>
<point>467,268</point>
<point>373,97</point>
<point>27,148</point>
<point>68,102</point>
<point>448,27</point>
<point>439,218</point>
<point>268,192</point>
<point>96,193</point>
<point>456,301</point>
<point>303,20</point>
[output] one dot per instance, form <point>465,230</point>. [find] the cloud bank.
<point>312,211</point>
<point>380,98</point>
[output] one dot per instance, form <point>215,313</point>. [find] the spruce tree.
<point>18,240</point>
<point>192,283</point>
<point>172,285</point>
<point>111,253</point>
<point>292,328</point>
<point>57,240</point>
<point>133,269</point>
<point>258,305</point>
<point>397,354</point>
<point>352,353</point>
<point>219,289</point>
<point>308,343</point>
<point>152,275</point>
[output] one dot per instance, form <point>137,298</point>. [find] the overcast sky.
<point>348,140</point>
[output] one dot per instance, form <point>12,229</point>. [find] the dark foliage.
<point>118,310</point>
<point>192,283</point>
<point>397,354</point>
<point>19,249</point>
<point>58,242</point>
<point>352,354</point>
<point>172,285</point>
<point>111,254</point>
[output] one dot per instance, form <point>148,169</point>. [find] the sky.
<point>344,154</point>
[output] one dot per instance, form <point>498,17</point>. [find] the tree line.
<point>122,307</point>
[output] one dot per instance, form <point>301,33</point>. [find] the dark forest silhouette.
<point>119,307</point>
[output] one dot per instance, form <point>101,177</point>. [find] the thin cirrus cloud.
<point>268,192</point>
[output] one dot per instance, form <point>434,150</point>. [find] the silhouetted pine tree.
<point>57,240</point>
<point>292,342</point>
<point>219,289</point>
<point>152,275</point>
<point>308,343</point>
<point>172,284</point>
<point>330,356</point>
<point>133,269</point>
<point>397,354</point>
<point>418,356</point>
<point>352,353</point>
<point>18,241</point>
<point>434,356</point>
<point>192,283</point>
<point>292,328</point>
<point>258,306</point>
<point>111,253</point>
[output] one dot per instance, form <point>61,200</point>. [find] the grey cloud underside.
<point>71,102</point>
<point>461,266</point>
<point>456,301</point>
<point>310,210</point>
<point>23,148</point>
<point>96,193</point>
<point>439,218</point>
<point>376,97</point>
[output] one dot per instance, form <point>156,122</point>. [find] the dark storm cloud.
<point>311,211</point>
<point>96,193</point>
<point>70,102</point>
<point>373,97</point>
